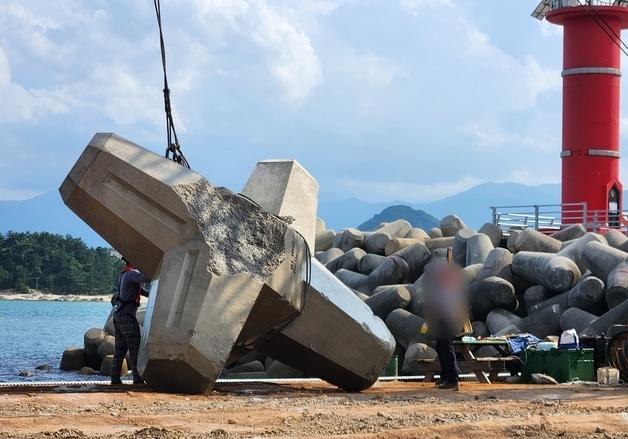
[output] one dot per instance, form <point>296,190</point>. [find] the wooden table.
<point>484,368</point>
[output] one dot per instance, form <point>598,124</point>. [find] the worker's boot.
<point>137,379</point>
<point>116,381</point>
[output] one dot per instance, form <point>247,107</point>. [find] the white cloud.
<point>21,104</point>
<point>17,194</point>
<point>290,56</point>
<point>417,6</point>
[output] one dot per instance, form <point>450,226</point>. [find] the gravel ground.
<point>389,410</point>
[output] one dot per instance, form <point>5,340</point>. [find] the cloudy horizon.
<point>380,100</point>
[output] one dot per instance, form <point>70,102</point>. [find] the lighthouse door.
<point>613,207</point>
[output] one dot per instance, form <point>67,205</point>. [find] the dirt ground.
<point>388,410</point>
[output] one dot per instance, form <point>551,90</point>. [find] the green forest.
<point>55,264</point>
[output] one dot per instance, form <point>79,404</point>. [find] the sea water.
<point>36,333</point>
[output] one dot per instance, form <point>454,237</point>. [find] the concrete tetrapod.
<point>479,247</point>
<point>588,295</point>
<point>396,244</point>
<point>376,243</point>
<point>369,262</point>
<point>388,300</point>
<point>617,285</point>
<point>450,225</point>
<point>498,263</point>
<point>461,239</point>
<point>557,273</point>
<point>351,238</point>
<point>324,240</point>
<point>491,293</point>
<point>531,240</point>
<point>416,256</point>
<point>575,248</point>
<point>493,232</point>
<point>617,239</point>
<point>615,316</point>
<point>418,234</point>
<point>533,295</point>
<point>602,259</point>
<point>575,318</point>
<point>210,295</point>
<point>543,323</point>
<point>406,327</point>
<point>498,319</point>
<point>570,233</point>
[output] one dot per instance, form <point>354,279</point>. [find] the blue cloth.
<point>519,343</point>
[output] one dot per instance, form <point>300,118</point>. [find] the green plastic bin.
<point>564,365</point>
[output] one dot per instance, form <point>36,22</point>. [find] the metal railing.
<point>558,4</point>
<point>549,218</point>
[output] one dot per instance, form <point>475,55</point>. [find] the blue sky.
<point>379,99</point>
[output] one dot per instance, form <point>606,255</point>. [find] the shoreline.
<point>39,296</point>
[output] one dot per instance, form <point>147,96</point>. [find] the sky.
<point>381,100</point>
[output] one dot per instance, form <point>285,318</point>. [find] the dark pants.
<point>127,339</point>
<point>447,357</point>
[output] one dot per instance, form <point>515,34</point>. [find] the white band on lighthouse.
<point>604,153</point>
<point>591,71</point>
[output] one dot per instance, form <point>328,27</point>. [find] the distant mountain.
<point>417,218</point>
<point>46,213</point>
<point>472,205</point>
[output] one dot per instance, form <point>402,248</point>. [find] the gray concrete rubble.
<point>228,273</point>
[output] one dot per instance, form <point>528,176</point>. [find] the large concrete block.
<point>228,274</point>
<point>285,188</point>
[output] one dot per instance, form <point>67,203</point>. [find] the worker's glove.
<point>424,329</point>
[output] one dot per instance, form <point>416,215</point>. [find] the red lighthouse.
<point>591,117</point>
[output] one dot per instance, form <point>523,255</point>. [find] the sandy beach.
<point>36,295</point>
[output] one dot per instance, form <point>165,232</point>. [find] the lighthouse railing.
<point>559,4</point>
<point>549,218</point>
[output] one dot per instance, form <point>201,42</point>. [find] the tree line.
<point>55,264</point>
